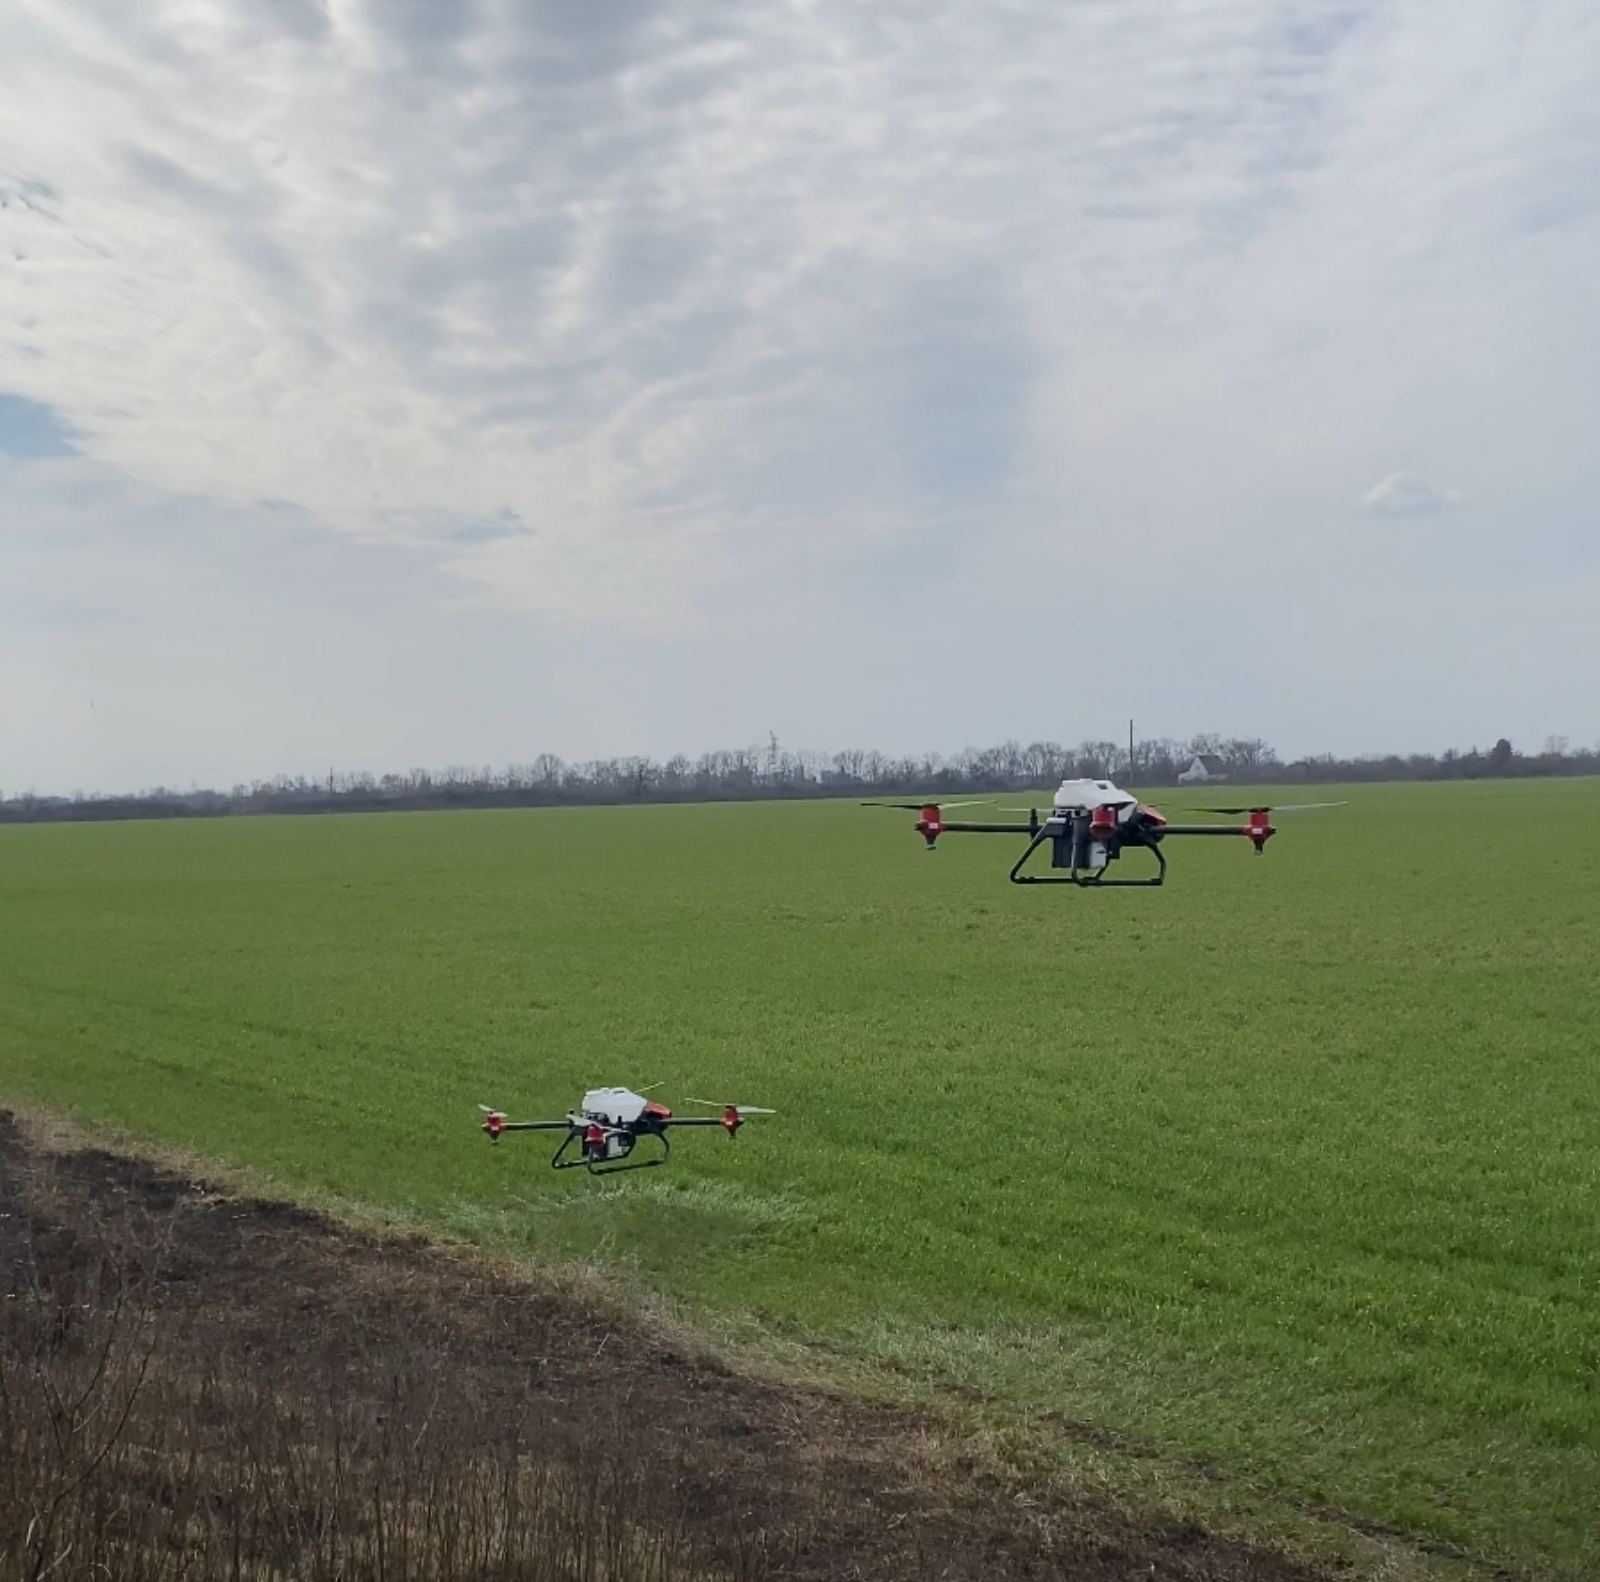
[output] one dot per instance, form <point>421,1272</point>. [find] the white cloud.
<point>1404,494</point>
<point>761,318</point>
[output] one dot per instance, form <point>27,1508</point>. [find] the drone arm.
<point>1258,831</point>
<point>968,828</point>
<point>730,1120</point>
<point>494,1122</point>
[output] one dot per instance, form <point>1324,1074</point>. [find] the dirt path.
<point>268,1300</point>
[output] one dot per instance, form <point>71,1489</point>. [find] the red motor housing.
<point>1103,823</point>
<point>494,1123</point>
<point>1259,830</point>
<point>732,1119</point>
<point>930,823</point>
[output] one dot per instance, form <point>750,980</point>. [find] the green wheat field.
<point>1290,1169</point>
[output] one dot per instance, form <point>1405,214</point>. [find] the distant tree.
<point>1097,760</point>
<point>637,775</point>
<point>1500,756</point>
<point>1249,755</point>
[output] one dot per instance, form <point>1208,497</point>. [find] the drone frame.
<point>1075,832</point>
<point>1054,828</point>
<point>598,1137</point>
<point>596,1163</point>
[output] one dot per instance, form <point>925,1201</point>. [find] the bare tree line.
<point>771,771</point>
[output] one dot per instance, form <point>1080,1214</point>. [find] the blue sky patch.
<point>29,429</point>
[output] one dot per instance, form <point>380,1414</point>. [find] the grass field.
<point>1291,1167</point>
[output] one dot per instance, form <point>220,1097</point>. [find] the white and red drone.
<point>1089,825</point>
<point>608,1122</point>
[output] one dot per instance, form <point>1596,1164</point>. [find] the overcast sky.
<point>392,383</point>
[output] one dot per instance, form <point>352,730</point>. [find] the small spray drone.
<point>608,1122</point>
<point>1090,825</point>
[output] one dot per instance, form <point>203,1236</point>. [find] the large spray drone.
<point>1089,826</point>
<point>607,1123</point>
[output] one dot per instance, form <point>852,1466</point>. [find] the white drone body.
<point>1083,796</point>
<point>611,1106</point>
<point>1074,799</point>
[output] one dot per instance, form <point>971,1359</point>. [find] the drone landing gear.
<point>609,1155</point>
<point>1071,854</point>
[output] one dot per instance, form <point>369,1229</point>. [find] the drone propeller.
<point>732,1116</point>
<point>1273,807</point>
<point>917,807</point>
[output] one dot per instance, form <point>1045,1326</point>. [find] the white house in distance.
<point>1205,766</point>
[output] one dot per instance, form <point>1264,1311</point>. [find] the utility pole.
<point>1131,765</point>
